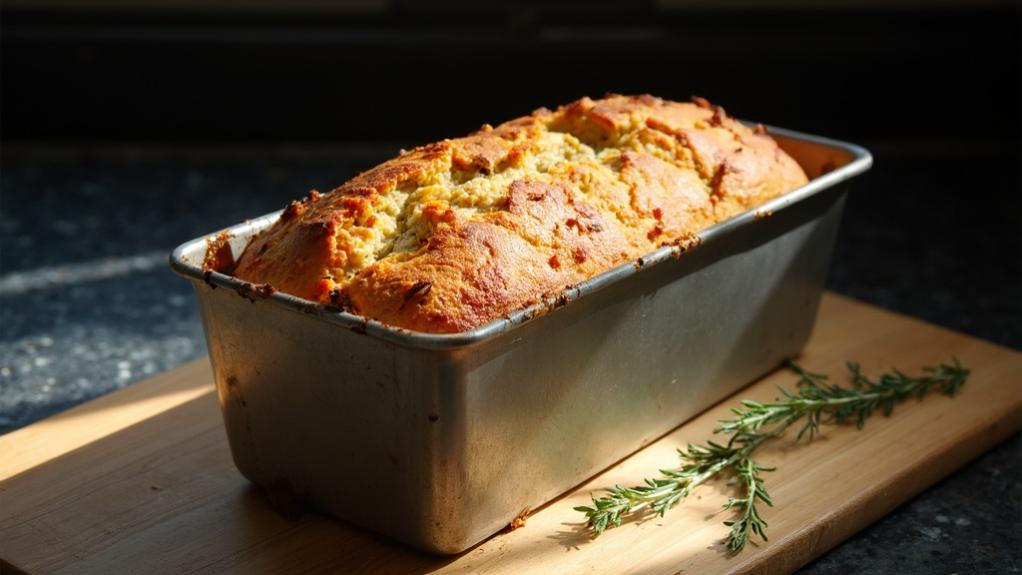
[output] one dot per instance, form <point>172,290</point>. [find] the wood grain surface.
<point>141,480</point>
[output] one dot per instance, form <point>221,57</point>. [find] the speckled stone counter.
<point>88,304</point>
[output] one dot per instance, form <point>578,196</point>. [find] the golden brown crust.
<point>452,235</point>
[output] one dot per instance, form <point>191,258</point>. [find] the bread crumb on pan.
<point>219,257</point>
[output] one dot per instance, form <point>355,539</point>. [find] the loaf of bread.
<point>452,235</point>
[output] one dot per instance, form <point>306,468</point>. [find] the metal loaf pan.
<point>441,440</point>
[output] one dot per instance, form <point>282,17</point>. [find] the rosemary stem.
<point>723,464</point>
<point>750,488</point>
<point>802,405</point>
<point>814,402</point>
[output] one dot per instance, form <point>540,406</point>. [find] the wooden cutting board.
<point>141,480</point>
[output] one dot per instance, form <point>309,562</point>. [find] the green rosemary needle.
<point>816,402</point>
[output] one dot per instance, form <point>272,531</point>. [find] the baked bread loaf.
<point>452,235</point>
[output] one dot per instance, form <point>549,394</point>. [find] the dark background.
<point>909,72</point>
<point>128,130</point>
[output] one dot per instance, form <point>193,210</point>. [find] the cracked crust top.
<point>452,235</point>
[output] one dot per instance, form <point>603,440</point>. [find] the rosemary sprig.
<point>816,401</point>
<point>749,520</point>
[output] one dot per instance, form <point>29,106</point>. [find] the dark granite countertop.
<point>88,304</point>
